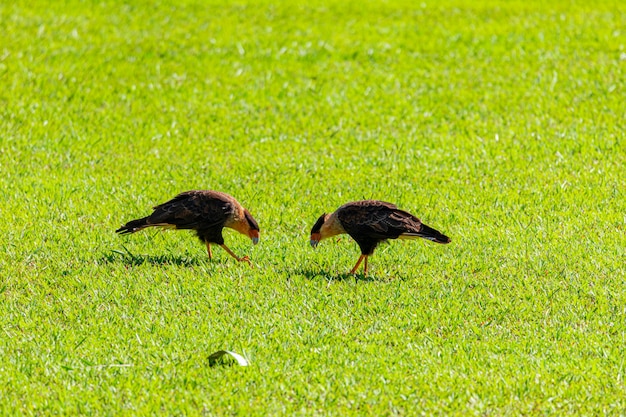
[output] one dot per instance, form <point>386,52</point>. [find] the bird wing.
<point>193,210</point>
<point>377,220</point>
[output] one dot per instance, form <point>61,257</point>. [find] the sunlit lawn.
<point>500,123</point>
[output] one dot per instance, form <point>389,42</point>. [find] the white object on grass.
<point>214,357</point>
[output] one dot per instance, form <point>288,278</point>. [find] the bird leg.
<point>208,249</point>
<point>359,263</point>
<point>365,267</point>
<point>231,253</point>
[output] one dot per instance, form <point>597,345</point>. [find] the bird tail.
<point>133,226</point>
<point>428,233</point>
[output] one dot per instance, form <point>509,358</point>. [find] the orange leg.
<point>208,249</point>
<point>358,263</point>
<point>365,268</point>
<point>231,253</point>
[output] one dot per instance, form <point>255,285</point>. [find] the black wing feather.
<point>192,210</point>
<point>370,222</point>
<point>377,220</point>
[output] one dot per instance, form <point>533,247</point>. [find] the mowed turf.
<point>500,123</point>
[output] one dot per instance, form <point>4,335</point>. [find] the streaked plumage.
<point>370,222</point>
<point>207,212</point>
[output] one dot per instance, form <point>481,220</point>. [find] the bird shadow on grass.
<point>313,274</point>
<point>130,259</point>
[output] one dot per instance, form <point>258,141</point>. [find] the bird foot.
<point>246,259</point>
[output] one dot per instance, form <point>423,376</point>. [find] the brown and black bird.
<point>370,222</point>
<point>207,212</point>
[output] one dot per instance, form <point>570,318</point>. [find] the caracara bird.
<point>206,212</point>
<point>370,222</point>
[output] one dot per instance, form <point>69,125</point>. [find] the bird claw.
<point>246,259</point>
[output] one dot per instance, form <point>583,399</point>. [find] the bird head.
<point>252,227</point>
<point>254,235</point>
<point>326,226</point>
<point>316,231</point>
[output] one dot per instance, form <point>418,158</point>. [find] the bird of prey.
<point>207,212</point>
<point>370,222</point>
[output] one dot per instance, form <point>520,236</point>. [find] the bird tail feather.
<point>428,233</point>
<point>134,226</point>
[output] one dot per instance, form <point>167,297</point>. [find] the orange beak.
<point>254,235</point>
<point>315,239</point>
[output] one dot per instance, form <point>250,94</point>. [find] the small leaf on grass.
<point>218,357</point>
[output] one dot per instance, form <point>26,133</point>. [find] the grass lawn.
<point>500,123</point>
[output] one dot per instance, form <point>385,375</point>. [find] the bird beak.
<point>254,235</point>
<point>255,240</point>
<point>315,239</point>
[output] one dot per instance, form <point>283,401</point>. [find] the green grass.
<point>500,123</point>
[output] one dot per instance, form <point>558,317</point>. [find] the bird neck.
<point>331,227</point>
<point>237,221</point>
